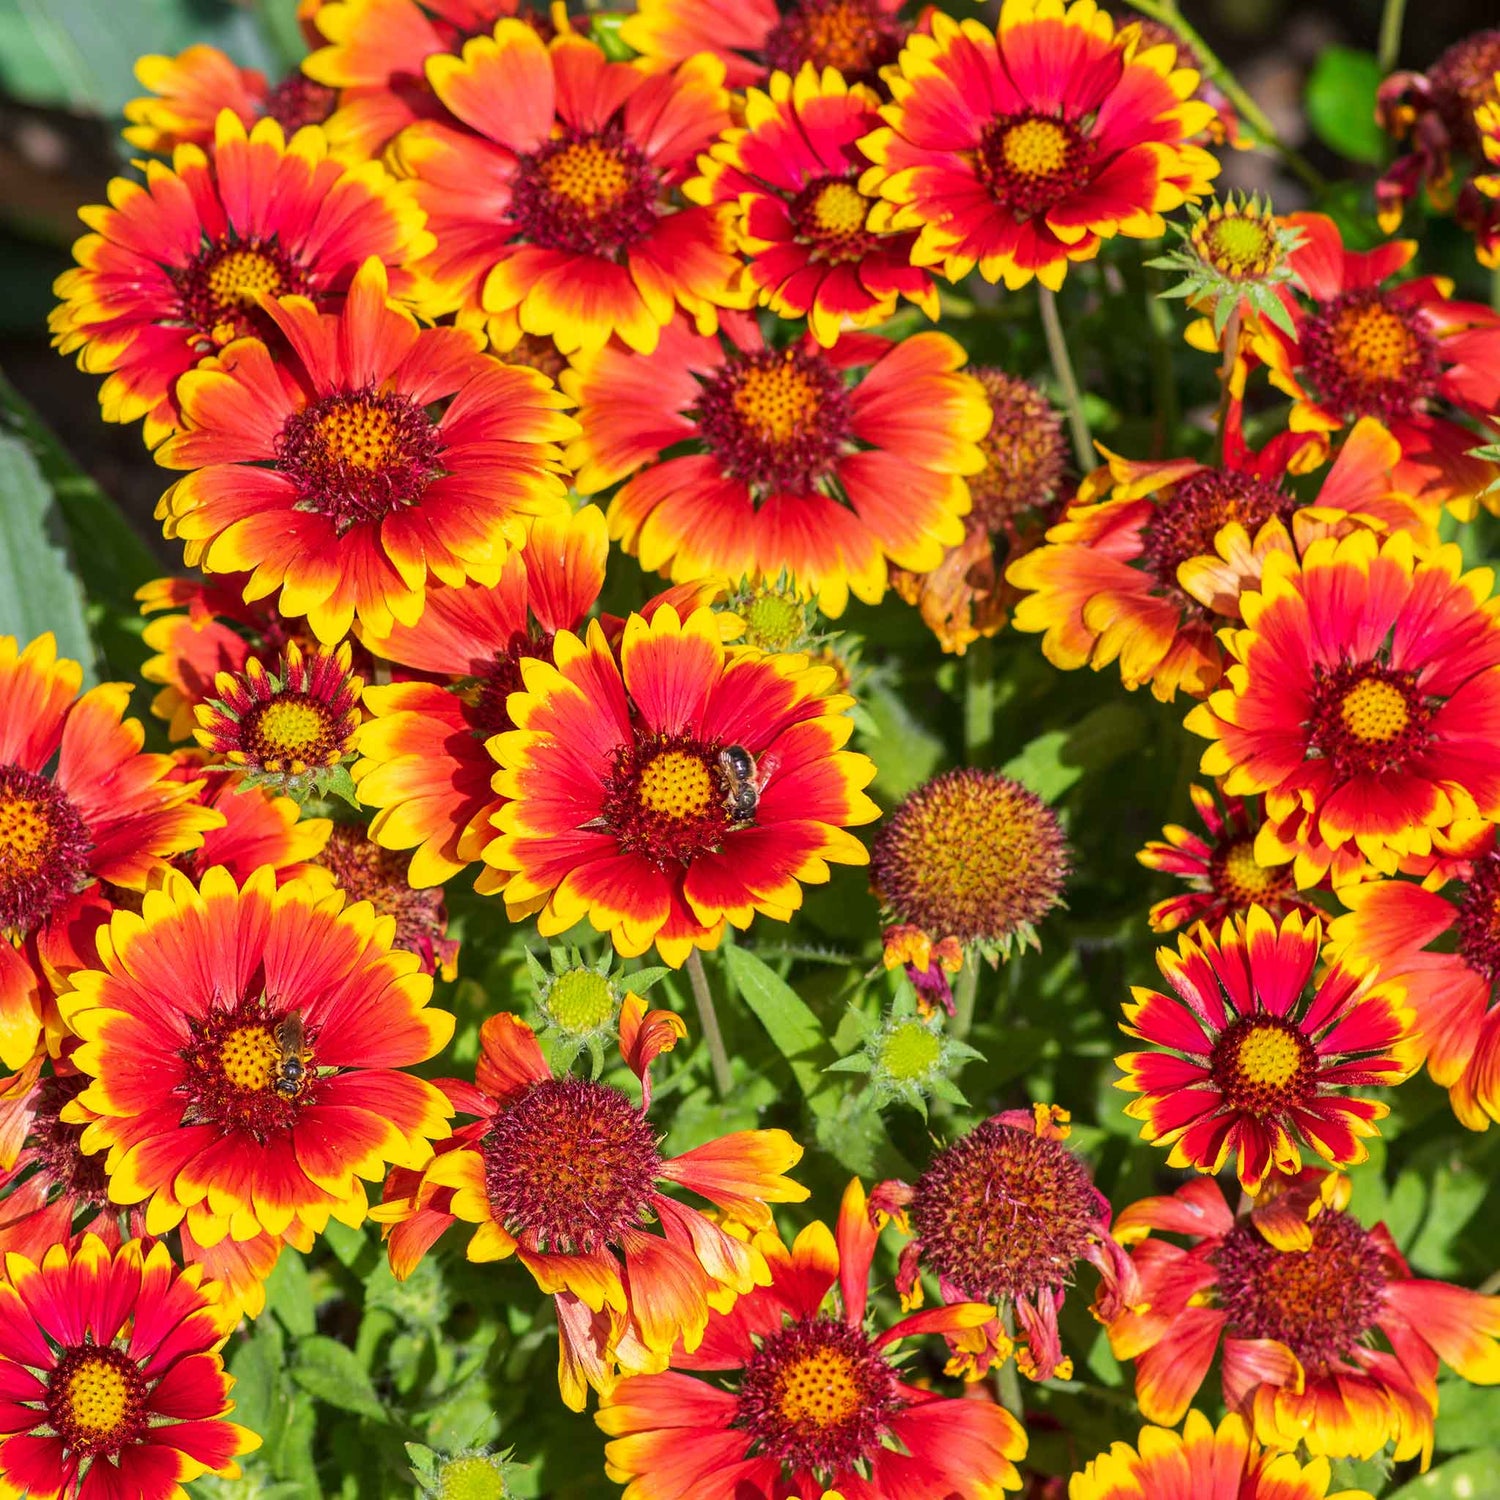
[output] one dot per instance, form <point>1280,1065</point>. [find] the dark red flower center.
<point>536,353</point>
<point>570,1166</point>
<point>1319,1302</point>
<point>96,1400</point>
<point>855,36</point>
<point>44,849</point>
<point>297,101</point>
<point>1367,719</point>
<point>667,799</point>
<point>490,715</point>
<point>60,1164</point>
<point>1264,1065</point>
<point>1004,1213</point>
<point>1479,918</point>
<point>1367,356</point>
<point>829,216</point>
<point>776,421</point>
<point>1190,518</point>
<point>1025,451</point>
<point>817,1396</point>
<point>1033,162</point>
<point>247,1069</point>
<point>357,456</point>
<point>1241,881</point>
<point>217,289</point>
<point>366,872</point>
<point>588,192</point>
<point>1461,80</point>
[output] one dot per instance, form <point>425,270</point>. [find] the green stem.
<point>979,702</point>
<point>1163,378</point>
<point>1008,1378</point>
<point>708,1019</point>
<point>1167,12</point>
<point>1391,19</point>
<point>964,995</point>
<point>1062,367</point>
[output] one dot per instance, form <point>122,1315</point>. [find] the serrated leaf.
<point>330,1371</point>
<point>788,1019</point>
<point>1340,102</point>
<point>642,980</point>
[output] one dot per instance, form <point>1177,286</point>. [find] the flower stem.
<point>1062,367</point>
<point>965,992</point>
<point>1167,12</point>
<point>1008,1377</point>
<point>979,702</point>
<point>708,1019</point>
<point>1391,19</point>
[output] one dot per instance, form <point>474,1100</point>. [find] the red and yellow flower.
<point>753,38</point>
<point>1021,150</point>
<point>1222,875</point>
<point>173,268</point>
<point>1398,354</point>
<point>1203,1463</point>
<point>1149,561</point>
<point>1324,1336</point>
<point>112,1376</point>
<point>1363,701</point>
<point>1251,1057</point>
<point>828,465</point>
<point>79,804</point>
<point>1003,1215</point>
<point>563,1173</point>
<point>326,475</point>
<point>245,1046</point>
<point>815,1403</point>
<point>188,91</point>
<point>624,807</point>
<point>787,184</point>
<point>1442,946</point>
<point>423,762</point>
<point>549,197</point>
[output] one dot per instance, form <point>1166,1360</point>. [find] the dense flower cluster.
<point>451,336</point>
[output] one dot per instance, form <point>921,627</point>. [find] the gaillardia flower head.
<point>813,1402</point>
<point>828,465</point>
<point>787,184</point>
<point>1442,116</point>
<point>752,38</point>
<point>674,789</point>
<point>973,855</point>
<point>1203,1463</point>
<point>1399,354</point>
<point>1021,150</point>
<point>1252,1057</point>
<point>289,728</point>
<point>174,268</point>
<point>1441,943</point>
<point>563,1173</point>
<point>1002,1216</point>
<point>326,472</point>
<point>188,92</point>
<point>79,803</point>
<point>245,1047</point>
<point>112,1376</point>
<point>423,762</point>
<point>1222,875</point>
<point>1361,701</point>
<point>549,195</point>
<point>1324,1337</point>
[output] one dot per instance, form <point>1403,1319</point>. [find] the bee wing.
<point>291,1033</point>
<point>766,767</point>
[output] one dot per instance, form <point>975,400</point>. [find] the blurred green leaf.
<point>330,1371</point>
<point>1468,1415</point>
<point>1472,1477</point>
<point>793,1027</point>
<point>1341,104</point>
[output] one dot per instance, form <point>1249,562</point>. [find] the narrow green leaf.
<point>1341,103</point>
<point>330,1371</point>
<point>792,1026</point>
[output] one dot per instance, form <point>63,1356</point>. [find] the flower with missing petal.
<point>564,1172</point>
<point>813,1400</point>
<point>367,460</point>
<point>1252,1056</point>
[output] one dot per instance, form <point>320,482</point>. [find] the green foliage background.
<point>346,1366</point>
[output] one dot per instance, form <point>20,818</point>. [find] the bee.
<point>290,1037</point>
<point>745,779</point>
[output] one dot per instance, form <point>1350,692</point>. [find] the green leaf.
<point>906,750</point>
<point>330,1371</point>
<point>1468,1415</point>
<point>1468,1478</point>
<point>289,1295</point>
<point>1341,103</point>
<point>793,1027</point>
<point>39,589</point>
